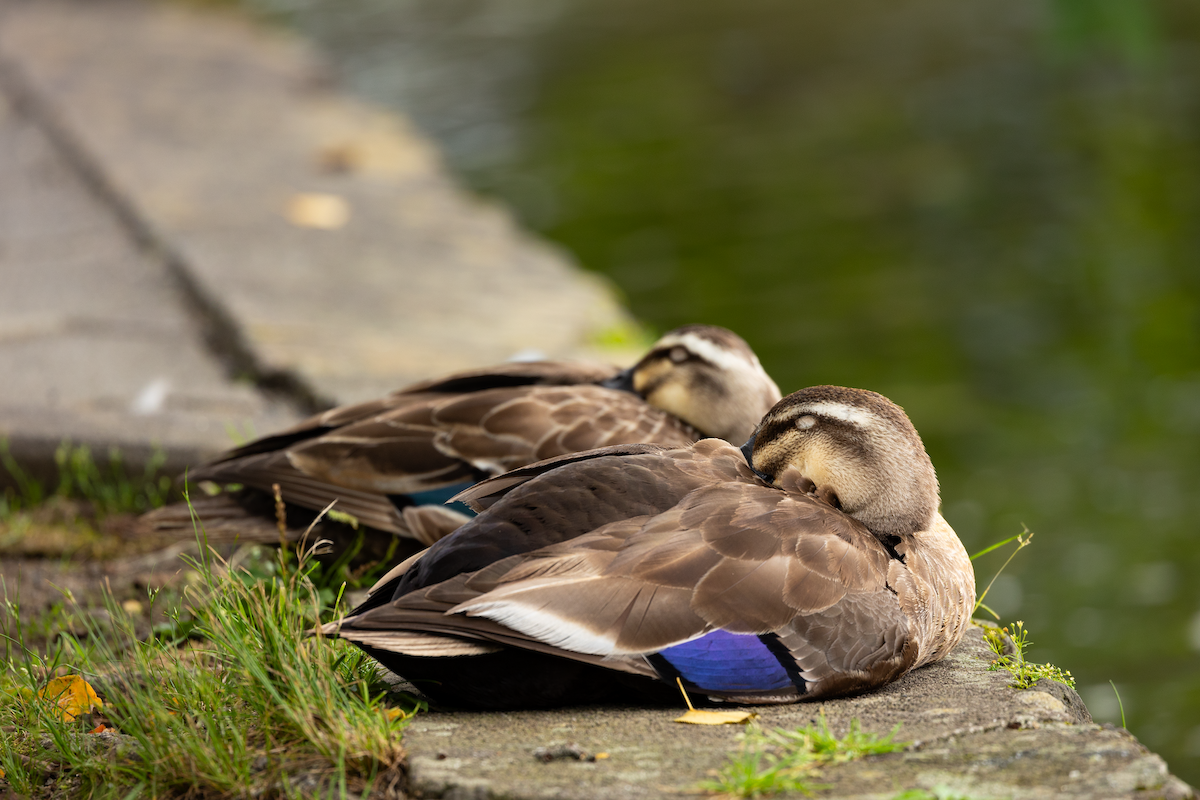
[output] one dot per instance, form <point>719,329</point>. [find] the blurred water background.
<point>988,212</point>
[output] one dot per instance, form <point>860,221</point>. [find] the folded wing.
<point>424,444</point>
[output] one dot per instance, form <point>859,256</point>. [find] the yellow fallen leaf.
<point>72,696</point>
<point>326,212</point>
<point>695,716</point>
<point>394,714</point>
<point>1,774</point>
<point>101,728</point>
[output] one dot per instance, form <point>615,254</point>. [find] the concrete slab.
<point>96,343</point>
<point>204,129</point>
<point>970,731</point>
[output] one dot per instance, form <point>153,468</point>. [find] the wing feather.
<point>455,430</point>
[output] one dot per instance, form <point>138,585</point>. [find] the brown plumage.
<point>818,567</point>
<point>384,461</point>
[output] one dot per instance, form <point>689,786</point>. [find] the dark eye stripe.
<point>789,422</point>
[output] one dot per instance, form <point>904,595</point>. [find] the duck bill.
<point>622,381</point>
<point>748,451</point>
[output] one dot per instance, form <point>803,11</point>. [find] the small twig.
<point>683,691</point>
<point>280,515</point>
<point>314,550</point>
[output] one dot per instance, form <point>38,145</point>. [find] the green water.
<point>988,212</point>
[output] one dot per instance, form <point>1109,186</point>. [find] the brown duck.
<point>811,562</point>
<point>393,462</point>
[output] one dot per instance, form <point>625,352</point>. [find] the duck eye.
<point>678,354</point>
<point>806,422</point>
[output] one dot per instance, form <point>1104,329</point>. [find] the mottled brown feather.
<point>417,441</point>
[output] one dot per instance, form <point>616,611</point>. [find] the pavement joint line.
<point>220,332</point>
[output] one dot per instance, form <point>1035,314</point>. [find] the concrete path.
<point>96,343</point>
<point>197,235</point>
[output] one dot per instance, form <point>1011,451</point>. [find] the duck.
<point>391,463</point>
<point>811,562</point>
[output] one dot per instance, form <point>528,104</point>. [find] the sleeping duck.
<point>809,563</point>
<point>392,463</point>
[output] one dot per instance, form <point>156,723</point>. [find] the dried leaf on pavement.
<point>696,716</point>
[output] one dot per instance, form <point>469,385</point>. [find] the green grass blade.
<point>1120,705</point>
<point>997,545</point>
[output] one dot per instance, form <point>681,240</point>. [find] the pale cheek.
<point>817,472</point>
<point>817,459</point>
<point>674,398</point>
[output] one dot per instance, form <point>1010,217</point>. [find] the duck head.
<point>860,451</point>
<point>708,377</point>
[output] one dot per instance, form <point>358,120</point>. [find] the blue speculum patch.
<point>723,661</point>
<point>437,497</point>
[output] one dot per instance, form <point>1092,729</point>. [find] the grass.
<point>936,793</point>
<point>1120,704</point>
<point>1023,540</point>
<point>231,699</point>
<point>773,762</point>
<point>90,501</point>
<point>1025,674</point>
<point>109,489</point>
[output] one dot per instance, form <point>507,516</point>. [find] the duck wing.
<point>498,430</point>
<point>530,373</point>
<point>418,447</point>
<point>564,498</point>
<point>741,589</point>
<point>533,373</point>
<point>432,442</point>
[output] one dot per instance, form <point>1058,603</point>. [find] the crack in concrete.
<point>220,332</point>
